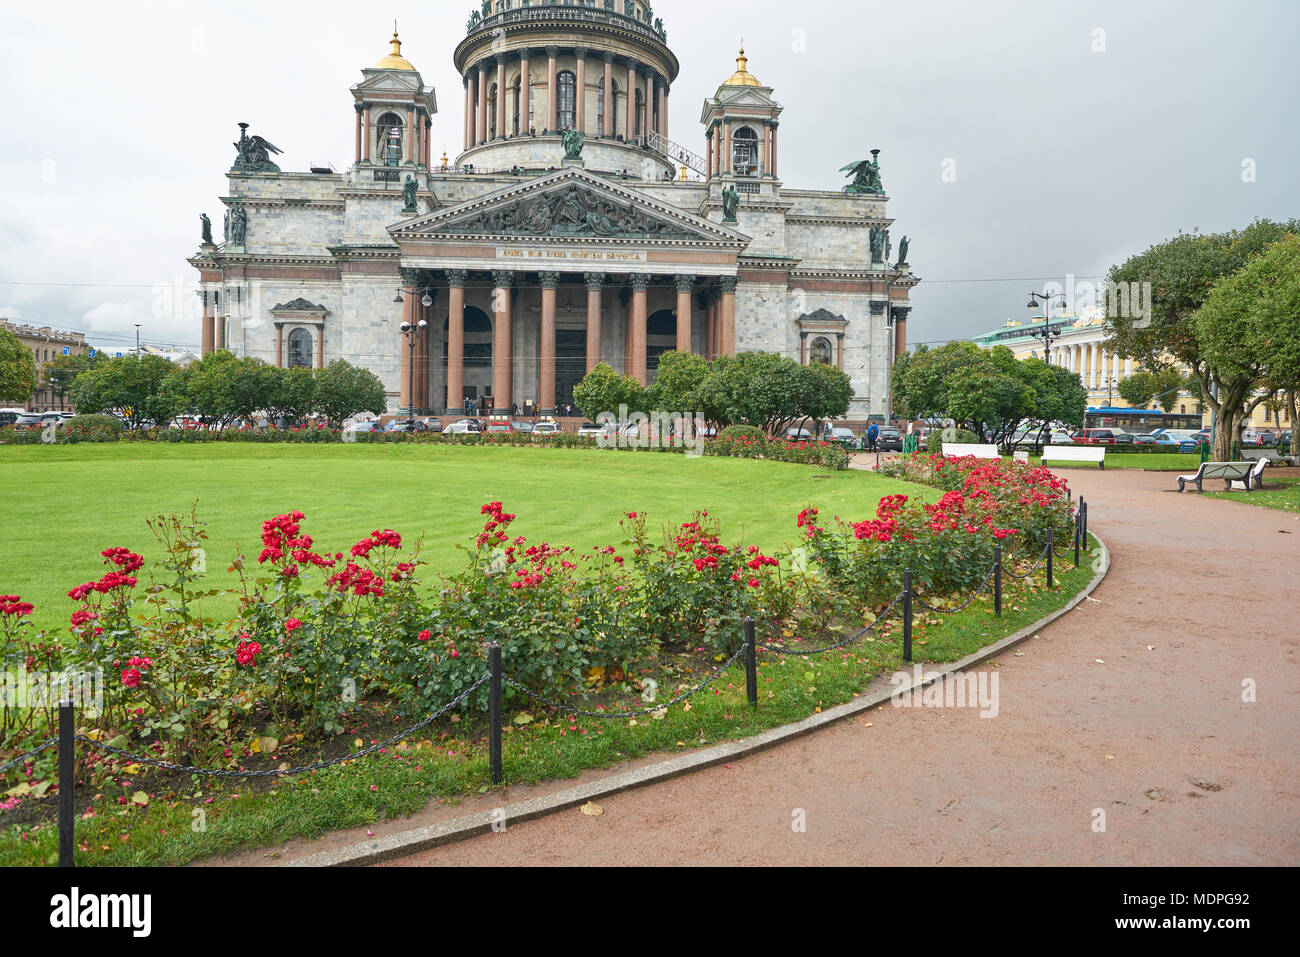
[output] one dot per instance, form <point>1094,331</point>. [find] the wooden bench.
<point>978,451</point>
<point>1075,453</point>
<point>1228,472</point>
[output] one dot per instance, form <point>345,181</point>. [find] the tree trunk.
<point>1292,401</point>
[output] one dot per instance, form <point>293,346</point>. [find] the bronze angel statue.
<point>866,175</point>
<point>254,153</point>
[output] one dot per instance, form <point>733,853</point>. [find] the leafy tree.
<point>210,384</point>
<point>17,369</point>
<point>141,388</point>
<point>1162,386</point>
<point>1138,389</point>
<point>826,392</point>
<point>1182,272</point>
<point>604,390</point>
<point>1248,330</point>
<point>295,397</point>
<point>677,383</point>
<point>61,371</point>
<point>343,390</point>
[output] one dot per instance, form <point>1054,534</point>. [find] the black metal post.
<point>751,663</point>
<point>907,615</point>
<point>997,580</point>
<point>1085,527</point>
<point>1051,556</point>
<point>1078,527</point>
<point>67,783</point>
<point>494,710</point>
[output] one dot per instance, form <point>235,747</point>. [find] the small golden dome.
<point>395,60</point>
<point>742,76</point>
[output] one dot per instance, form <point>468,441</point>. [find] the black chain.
<point>1041,562</point>
<point>320,765</point>
<point>780,650</point>
<point>964,605</point>
<point>5,768</point>
<point>640,712</point>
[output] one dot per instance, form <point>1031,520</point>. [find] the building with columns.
<point>538,253</point>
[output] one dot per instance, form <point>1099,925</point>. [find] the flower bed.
<point>826,454</point>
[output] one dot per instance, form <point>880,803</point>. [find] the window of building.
<point>299,349</point>
<point>492,112</point>
<point>514,127</point>
<point>744,152</point>
<point>640,113</point>
<point>820,351</point>
<point>568,100</point>
<point>390,140</point>
<point>600,108</point>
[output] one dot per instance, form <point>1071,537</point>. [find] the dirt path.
<point>1202,596</point>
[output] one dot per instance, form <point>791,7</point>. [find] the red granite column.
<point>630,132</point>
<point>359,109</point>
<point>640,284</point>
<point>365,139</point>
<point>685,284</point>
<point>481,132</point>
<point>595,283</point>
<point>546,389</point>
<point>552,93</point>
<point>728,318</point>
<point>581,121</point>
<point>501,97</point>
<point>208,340</point>
<point>469,111</point>
<point>607,128</point>
<point>503,362</point>
<point>456,341</point>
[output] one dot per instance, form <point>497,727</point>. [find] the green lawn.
<point>1152,461</point>
<point>68,503</point>
<point>1283,494</point>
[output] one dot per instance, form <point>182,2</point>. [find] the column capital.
<point>549,279</point>
<point>647,71</point>
<point>633,63</point>
<point>580,53</point>
<point>502,279</point>
<point>877,308</point>
<point>685,282</point>
<point>457,277</point>
<point>552,52</point>
<point>359,107</point>
<point>727,285</point>
<point>900,313</point>
<point>500,59</point>
<point>639,281</point>
<point>410,277</point>
<point>595,280</point>
<point>608,56</point>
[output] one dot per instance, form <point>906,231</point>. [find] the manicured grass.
<point>540,748</point>
<point>1150,461</point>
<point>1281,493</point>
<point>65,504</point>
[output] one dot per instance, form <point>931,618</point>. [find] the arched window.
<point>820,351</point>
<point>492,112</point>
<point>640,112</point>
<point>744,152</point>
<point>389,140</point>
<point>514,128</point>
<point>567,111</point>
<point>299,349</point>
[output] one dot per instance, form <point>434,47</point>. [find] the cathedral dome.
<point>742,76</point>
<point>395,60</point>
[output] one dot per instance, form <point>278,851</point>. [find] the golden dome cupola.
<point>742,76</point>
<point>395,60</point>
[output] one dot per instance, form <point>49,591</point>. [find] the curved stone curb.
<point>448,832</point>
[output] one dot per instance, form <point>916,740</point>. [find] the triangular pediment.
<point>568,204</point>
<point>747,96</point>
<point>390,81</point>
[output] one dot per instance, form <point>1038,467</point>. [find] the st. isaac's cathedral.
<point>575,227</point>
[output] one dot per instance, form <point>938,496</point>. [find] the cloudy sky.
<point>1022,142</point>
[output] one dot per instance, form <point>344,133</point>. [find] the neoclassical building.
<point>570,229</point>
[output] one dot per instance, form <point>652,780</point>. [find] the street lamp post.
<point>137,340</point>
<point>1047,334</point>
<point>412,331</point>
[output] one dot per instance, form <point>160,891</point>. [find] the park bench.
<point>1075,453</point>
<point>1256,477</point>
<point>1228,472</point>
<point>960,451</point>
<point>1267,455</point>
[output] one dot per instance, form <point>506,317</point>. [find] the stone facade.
<point>633,230</point>
<point>46,344</point>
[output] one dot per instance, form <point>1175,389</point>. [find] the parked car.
<point>1165,439</point>
<point>546,428</point>
<point>889,439</point>
<point>844,437</point>
<point>593,431</point>
<point>432,424</point>
<point>1123,438</point>
<point>1094,437</point>
<point>499,428</point>
<point>463,427</point>
<point>524,427</point>
<point>28,420</point>
<point>1060,438</point>
<point>358,427</point>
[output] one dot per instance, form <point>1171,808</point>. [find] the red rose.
<point>426,635</point>
<point>293,624</point>
<point>131,678</point>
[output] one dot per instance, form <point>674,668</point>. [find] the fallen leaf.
<point>523,717</point>
<point>592,810</point>
<point>1100,662</point>
<point>139,797</point>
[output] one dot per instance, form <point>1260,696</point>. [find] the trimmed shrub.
<point>91,428</point>
<point>934,442</point>
<point>742,432</point>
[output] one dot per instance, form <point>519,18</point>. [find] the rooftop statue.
<point>866,176</point>
<point>408,194</point>
<point>206,226</point>
<point>572,144</point>
<point>254,153</point>
<point>238,225</point>
<point>730,203</point>
<point>902,250</point>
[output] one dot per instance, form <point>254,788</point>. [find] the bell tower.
<point>740,124</point>
<point>394,116</point>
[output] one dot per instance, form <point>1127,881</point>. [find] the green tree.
<point>61,371</point>
<point>1248,330</point>
<point>1182,272</point>
<point>295,397</point>
<point>143,388</point>
<point>677,383</point>
<point>17,369</point>
<point>1138,389</point>
<point>210,384</point>
<point>343,390</point>
<point>603,390</point>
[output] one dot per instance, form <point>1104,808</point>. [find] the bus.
<point>1142,420</point>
